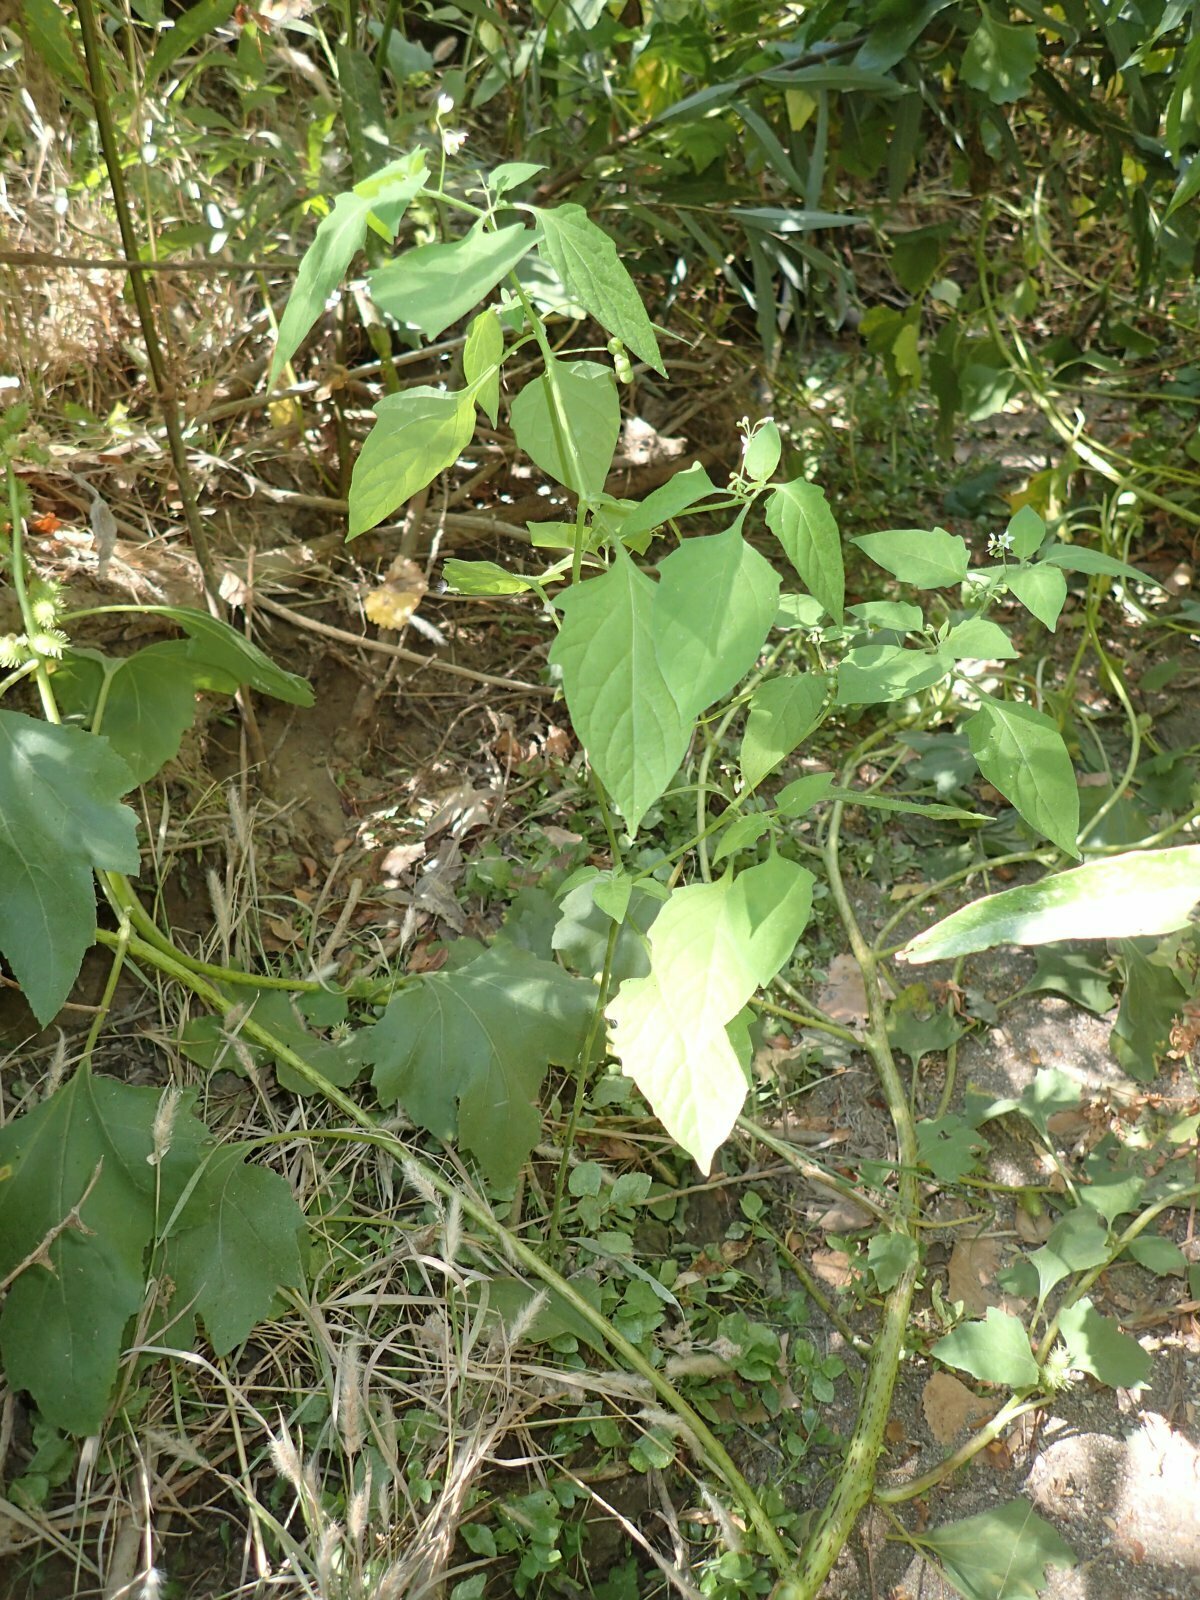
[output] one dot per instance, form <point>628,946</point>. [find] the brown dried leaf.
<point>397,597</point>
<point>972,1273</point>
<point>950,1407</point>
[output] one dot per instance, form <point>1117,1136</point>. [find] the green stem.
<point>38,666</point>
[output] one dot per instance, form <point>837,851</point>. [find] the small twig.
<point>47,258</point>
<point>344,636</point>
<point>73,1222</point>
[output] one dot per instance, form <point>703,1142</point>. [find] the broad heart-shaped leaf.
<point>875,674</point>
<point>928,559</point>
<point>798,515</point>
<point>1095,1344</point>
<point>482,355</point>
<point>61,1331</point>
<point>889,1256</point>
<point>1020,751</point>
<point>436,284</point>
<point>1120,897</point>
<point>568,422</point>
<point>1025,533</point>
<point>592,273</point>
<point>1000,59</point>
<point>465,1051</point>
<point>60,818</point>
<point>626,714</point>
<point>340,235</point>
<point>979,639</point>
<point>713,608</point>
<point>418,433</point>
<point>711,946</point>
<point>214,646</point>
<point>1077,1241</point>
<point>1001,1554</point>
<point>995,1350</point>
<point>783,712</point>
<point>149,705</point>
<point>234,1245</point>
<point>1042,590</point>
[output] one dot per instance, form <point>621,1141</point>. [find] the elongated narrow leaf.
<point>1020,751</point>
<point>1121,897</point>
<point>679,494</point>
<point>1001,1554</point>
<point>465,1051</point>
<point>386,195</point>
<point>60,818</point>
<point>711,946</point>
<point>783,712</point>
<point>482,355</point>
<point>592,272</point>
<point>418,434</point>
<point>1079,558</point>
<point>568,422</point>
<point>627,715</point>
<point>798,515</point>
<point>187,31</point>
<point>703,649</point>
<point>434,285</point>
<point>215,646</point>
<point>926,558</point>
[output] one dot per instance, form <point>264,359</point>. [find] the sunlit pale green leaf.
<point>979,639</point>
<point>418,433</point>
<point>874,674</point>
<point>679,494</point>
<point>928,559</point>
<point>711,946</point>
<point>567,421</point>
<point>798,515</point>
<point>1120,897</point>
<point>1042,590</point>
<point>1025,533</point>
<point>592,273</point>
<point>1020,751</point>
<point>1095,1344</point>
<point>433,285</point>
<point>995,1350</point>
<point>482,354</point>
<point>1001,1554</point>
<point>624,711</point>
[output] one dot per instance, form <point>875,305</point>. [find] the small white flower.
<point>445,104</point>
<point>453,140</point>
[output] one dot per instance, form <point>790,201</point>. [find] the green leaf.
<point>418,434</point>
<point>386,196</point>
<point>911,808</point>
<point>61,1330</point>
<point>874,674</point>
<point>917,1027</point>
<point>949,1146</point>
<point>217,648</point>
<point>1081,978</point>
<point>1161,1256</point>
<point>894,614</point>
<point>1077,1241</point>
<point>995,1350</point>
<point>889,1255</point>
<point>187,30</point>
<point>434,285</point>
<point>702,648</point>
<point>482,577</point>
<point>625,712</point>
<point>1025,533</point>
<point>581,934</point>
<point>762,452</point>
<point>742,833</point>
<point>149,705</point>
<point>798,515</point>
<point>783,712</point>
<point>979,639</point>
<point>567,422</point>
<point>928,559</point>
<point>482,355</point>
<point>1120,897</point>
<point>1095,1344</point>
<point>340,1062</point>
<point>1000,59</point>
<point>711,946</point>
<point>465,1051</point>
<point>60,818</point>
<point>1078,558</point>
<point>1001,1554</point>
<point>363,112</point>
<point>1042,590</point>
<point>234,1245</point>
<point>593,274</point>
<point>1050,1092</point>
<point>1020,751</point>
<point>803,794</point>
<point>1152,999</point>
<point>679,494</point>
<point>52,39</point>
